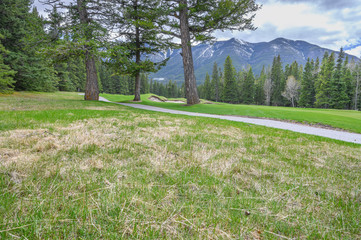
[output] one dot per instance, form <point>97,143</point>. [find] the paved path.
<point>334,134</point>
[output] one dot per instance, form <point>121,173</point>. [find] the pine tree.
<point>348,79</point>
<point>105,78</point>
<point>6,74</point>
<point>357,96</point>
<point>338,87</point>
<point>230,94</point>
<point>144,84</point>
<point>207,88</point>
<point>162,90</point>
<point>221,83</point>
<point>54,34</point>
<point>307,95</point>
<point>141,27</point>
<point>63,79</point>
<point>355,69</point>
<point>323,83</point>
<point>151,86</point>
<point>77,73</point>
<point>278,82</point>
<point>248,88</point>
<point>84,33</point>
<point>259,88</point>
<point>294,70</point>
<point>240,79</point>
<point>216,88</point>
<point>196,20</point>
<point>23,30</point>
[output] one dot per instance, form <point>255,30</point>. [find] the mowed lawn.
<point>343,119</point>
<point>75,169</point>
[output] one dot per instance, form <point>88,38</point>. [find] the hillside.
<point>242,53</point>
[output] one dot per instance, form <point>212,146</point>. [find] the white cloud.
<point>355,51</point>
<point>314,21</point>
<point>286,16</point>
<point>327,23</point>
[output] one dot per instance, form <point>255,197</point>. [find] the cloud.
<point>327,23</point>
<point>356,51</point>
<point>43,7</point>
<point>325,4</point>
<point>286,16</point>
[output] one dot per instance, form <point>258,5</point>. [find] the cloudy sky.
<point>327,23</point>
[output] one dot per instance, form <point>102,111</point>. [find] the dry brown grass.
<point>225,154</point>
<point>258,165</point>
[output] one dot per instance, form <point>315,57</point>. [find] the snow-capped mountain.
<point>242,53</point>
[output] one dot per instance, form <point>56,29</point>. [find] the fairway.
<point>75,169</point>
<point>343,119</point>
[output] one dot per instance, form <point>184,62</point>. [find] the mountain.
<point>242,53</point>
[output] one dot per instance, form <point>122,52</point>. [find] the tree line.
<point>43,54</point>
<point>333,83</point>
<point>101,46</point>
<point>115,84</point>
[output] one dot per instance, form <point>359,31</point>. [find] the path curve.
<point>333,134</point>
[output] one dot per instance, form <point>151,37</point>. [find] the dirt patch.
<point>207,102</point>
<point>175,101</point>
<point>157,99</point>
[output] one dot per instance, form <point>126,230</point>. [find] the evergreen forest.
<point>74,48</point>
<point>329,83</point>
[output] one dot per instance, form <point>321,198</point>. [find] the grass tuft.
<point>126,173</point>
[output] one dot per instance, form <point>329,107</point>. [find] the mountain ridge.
<point>243,54</point>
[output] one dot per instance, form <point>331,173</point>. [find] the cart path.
<point>328,133</point>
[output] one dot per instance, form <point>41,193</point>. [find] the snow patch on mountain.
<point>242,53</point>
<point>240,41</point>
<point>207,53</point>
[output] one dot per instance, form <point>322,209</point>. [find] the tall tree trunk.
<point>189,77</point>
<point>91,86</point>
<point>357,90</point>
<point>217,91</point>
<point>137,88</point>
<point>137,57</point>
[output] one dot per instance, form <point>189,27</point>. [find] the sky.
<point>328,23</point>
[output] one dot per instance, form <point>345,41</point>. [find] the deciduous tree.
<point>292,90</point>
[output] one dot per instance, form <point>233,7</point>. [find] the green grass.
<point>32,110</point>
<point>92,170</point>
<point>343,119</point>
